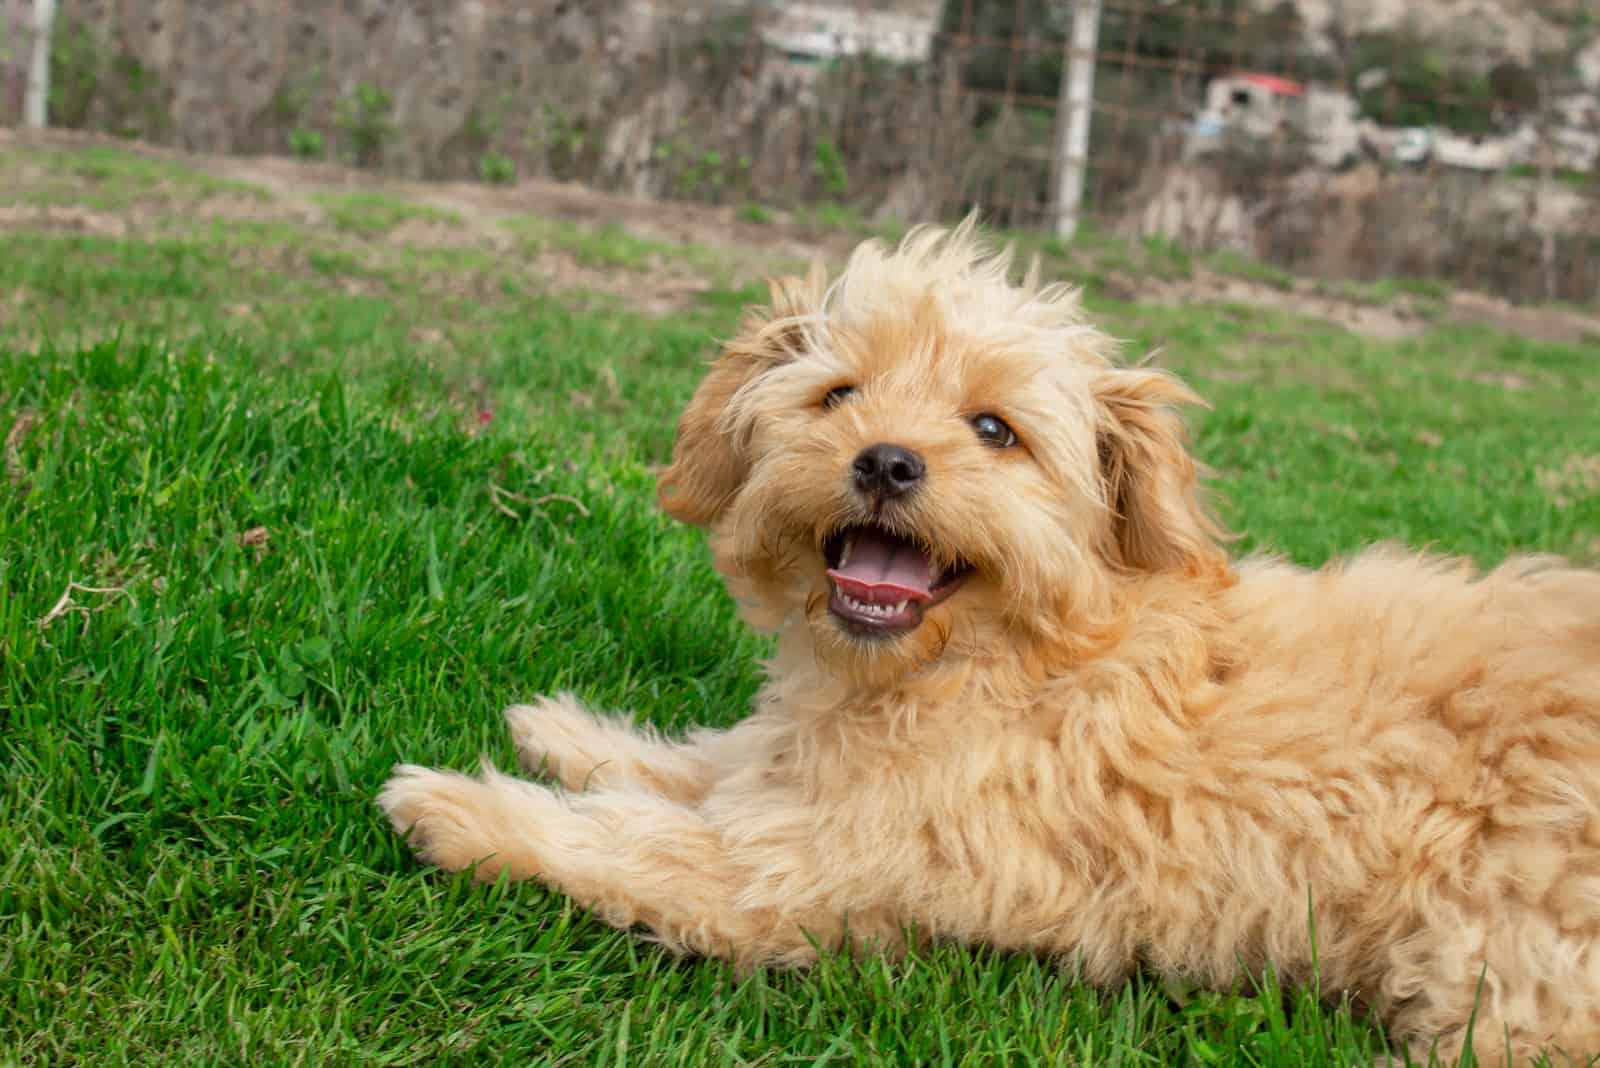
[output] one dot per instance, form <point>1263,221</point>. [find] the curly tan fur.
<point>1112,744</point>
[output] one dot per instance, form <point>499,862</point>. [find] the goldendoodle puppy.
<point>1021,697</point>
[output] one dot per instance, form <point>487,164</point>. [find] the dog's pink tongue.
<point>883,569</point>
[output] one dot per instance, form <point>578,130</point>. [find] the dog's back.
<point>1451,725</point>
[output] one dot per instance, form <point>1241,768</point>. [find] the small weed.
<point>752,212</point>
<point>831,215</point>
<point>366,118</point>
<point>306,144</point>
<point>558,141</point>
<point>828,167</point>
<point>496,169</point>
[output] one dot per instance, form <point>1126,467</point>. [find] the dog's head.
<point>924,458</point>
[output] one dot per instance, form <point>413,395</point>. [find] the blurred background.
<point>1353,139</point>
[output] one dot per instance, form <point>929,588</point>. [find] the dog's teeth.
<point>844,553</point>
<point>867,608</point>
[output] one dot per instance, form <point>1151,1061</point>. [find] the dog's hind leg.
<point>556,735</point>
<point>636,859</point>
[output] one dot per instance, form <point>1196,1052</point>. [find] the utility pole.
<point>36,103</point>
<point>1074,109</point>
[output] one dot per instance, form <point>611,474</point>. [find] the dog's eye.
<point>831,399</point>
<point>992,430</point>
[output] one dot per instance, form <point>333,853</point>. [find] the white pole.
<point>36,104</point>
<point>1073,114</point>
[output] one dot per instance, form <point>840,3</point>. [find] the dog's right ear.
<point>709,457</point>
<point>1151,481</point>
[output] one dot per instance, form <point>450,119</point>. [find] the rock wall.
<point>1519,237</point>
<point>16,38</point>
<point>396,80</point>
<point>658,98</point>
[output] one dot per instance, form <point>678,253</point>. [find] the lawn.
<point>282,506</point>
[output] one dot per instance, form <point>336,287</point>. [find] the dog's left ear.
<point>1151,482</point>
<point>709,460</point>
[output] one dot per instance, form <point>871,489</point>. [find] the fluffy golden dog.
<point>1021,696</point>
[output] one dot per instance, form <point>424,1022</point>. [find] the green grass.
<point>191,867</point>
<point>751,212</point>
<point>610,246</point>
<point>370,214</point>
<point>1425,296</point>
<point>1251,269</point>
<point>106,178</point>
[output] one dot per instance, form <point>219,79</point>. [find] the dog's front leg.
<point>585,749</point>
<point>634,858</point>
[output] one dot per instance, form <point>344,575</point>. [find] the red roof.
<point>1270,82</point>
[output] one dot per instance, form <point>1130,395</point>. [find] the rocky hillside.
<point>1520,30</point>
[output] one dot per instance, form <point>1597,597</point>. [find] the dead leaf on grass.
<point>19,430</point>
<point>65,605</point>
<point>499,495</point>
<point>1504,379</point>
<point>256,538</point>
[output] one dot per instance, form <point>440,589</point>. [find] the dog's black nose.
<point>887,470</point>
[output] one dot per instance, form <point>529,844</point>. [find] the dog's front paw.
<point>556,735</point>
<point>454,821</point>
<point>424,807</point>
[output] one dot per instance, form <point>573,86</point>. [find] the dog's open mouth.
<point>883,582</point>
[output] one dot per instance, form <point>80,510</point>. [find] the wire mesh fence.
<point>1270,128</point>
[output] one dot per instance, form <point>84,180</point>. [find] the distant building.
<point>1257,104</point>
<point>1262,106</point>
<point>815,34</point>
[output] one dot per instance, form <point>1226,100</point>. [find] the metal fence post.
<point>36,103</point>
<point>1074,113</point>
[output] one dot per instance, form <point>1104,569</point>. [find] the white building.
<point>1263,105</point>
<point>818,33</point>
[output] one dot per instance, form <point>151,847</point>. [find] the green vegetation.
<point>374,214</point>
<point>318,504</point>
<point>366,118</point>
<point>1429,86</point>
<point>751,212</point>
<point>610,245</point>
<point>1248,267</point>
<point>605,245</point>
<point>306,144</point>
<point>103,178</point>
<point>496,169</point>
<point>94,82</point>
